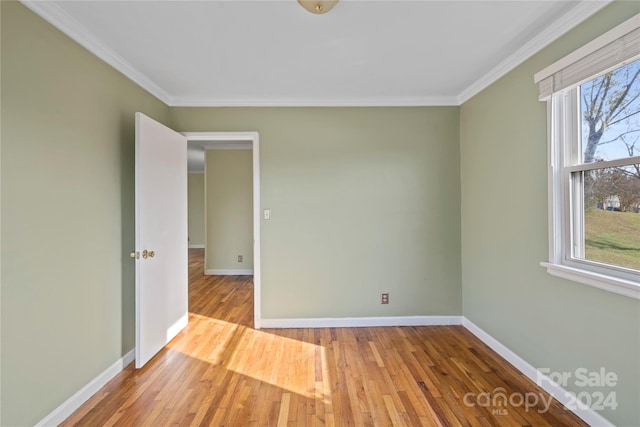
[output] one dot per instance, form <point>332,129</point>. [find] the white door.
<point>161,236</point>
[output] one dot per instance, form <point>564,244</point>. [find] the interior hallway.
<point>221,372</point>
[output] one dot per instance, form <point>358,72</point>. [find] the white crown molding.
<point>559,27</point>
<point>409,101</point>
<point>563,396</point>
<point>358,322</point>
<point>56,16</point>
<point>62,412</point>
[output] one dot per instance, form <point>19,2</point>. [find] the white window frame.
<point>563,130</point>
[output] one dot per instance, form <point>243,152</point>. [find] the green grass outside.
<point>613,237</point>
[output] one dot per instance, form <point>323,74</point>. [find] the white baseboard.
<point>196,246</point>
<point>587,414</point>
<point>62,412</point>
<point>346,322</point>
<point>228,272</point>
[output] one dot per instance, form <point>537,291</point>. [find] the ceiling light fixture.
<point>318,6</point>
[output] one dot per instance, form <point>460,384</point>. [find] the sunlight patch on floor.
<point>289,364</point>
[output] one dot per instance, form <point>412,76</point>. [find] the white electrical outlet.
<point>267,214</point>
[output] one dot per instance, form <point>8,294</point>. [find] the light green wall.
<point>67,215</point>
<point>195,183</point>
<point>551,323</point>
<point>229,213</point>
<point>363,200</point>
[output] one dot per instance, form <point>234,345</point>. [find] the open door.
<point>161,236</point>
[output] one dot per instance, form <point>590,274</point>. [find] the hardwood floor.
<point>221,372</point>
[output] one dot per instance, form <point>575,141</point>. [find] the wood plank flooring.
<point>221,372</point>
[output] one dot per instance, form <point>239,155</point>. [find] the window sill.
<point>612,284</point>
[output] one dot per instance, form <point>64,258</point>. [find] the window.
<point>593,104</point>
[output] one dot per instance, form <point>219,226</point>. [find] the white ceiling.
<point>196,151</point>
<point>228,53</point>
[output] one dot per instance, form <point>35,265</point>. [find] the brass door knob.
<point>148,254</point>
<point>135,255</point>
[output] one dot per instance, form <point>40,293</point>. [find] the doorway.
<point>239,140</point>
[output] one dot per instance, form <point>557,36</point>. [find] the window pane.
<point>610,114</point>
<point>612,216</point>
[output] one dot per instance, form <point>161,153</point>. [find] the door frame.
<point>240,140</point>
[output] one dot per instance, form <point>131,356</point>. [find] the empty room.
<point>320,213</point>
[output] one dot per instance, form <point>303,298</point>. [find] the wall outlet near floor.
<point>239,258</point>
<point>384,298</point>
